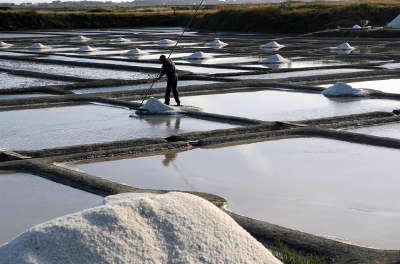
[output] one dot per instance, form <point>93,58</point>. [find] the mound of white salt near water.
<point>356,27</point>
<point>80,39</point>
<point>120,39</point>
<point>166,42</point>
<point>216,43</point>
<point>344,46</point>
<point>137,228</point>
<point>343,89</point>
<point>275,59</point>
<point>5,45</point>
<point>86,49</point>
<point>154,105</point>
<point>38,46</point>
<point>198,55</point>
<point>272,45</point>
<point>136,52</point>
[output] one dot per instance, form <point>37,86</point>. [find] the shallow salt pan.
<point>331,188</point>
<point>388,130</point>
<point>282,105</point>
<point>64,126</point>
<point>16,81</point>
<point>28,200</point>
<point>387,86</point>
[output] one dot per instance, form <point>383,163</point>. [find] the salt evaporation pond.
<point>388,130</point>
<point>299,64</point>
<point>64,126</point>
<point>16,54</point>
<point>73,71</point>
<point>18,96</point>
<point>28,200</point>
<point>16,81</point>
<point>294,74</point>
<point>272,105</point>
<point>331,188</point>
<point>387,86</point>
<point>138,86</point>
<point>229,60</point>
<point>26,35</point>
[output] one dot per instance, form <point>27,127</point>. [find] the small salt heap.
<point>140,228</point>
<point>342,89</point>
<point>275,59</point>
<point>216,43</point>
<point>154,106</point>
<point>199,55</point>
<point>4,45</point>
<point>136,52</point>
<point>86,49</point>
<point>120,40</point>
<point>356,27</point>
<point>272,45</point>
<point>344,46</point>
<point>38,46</point>
<point>166,42</point>
<point>80,39</point>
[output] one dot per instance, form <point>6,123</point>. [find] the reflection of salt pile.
<point>140,228</point>
<point>80,39</point>
<point>342,89</point>
<point>199,55</point>
<point>166,42</point>
<point>136,52</point>
<point>272,45</point>
<point>344,46</point>
<point>154,106</point>
<point>120,40</point>
<point>38,46</point>
<point>275,59</point>
<point>216,43</point>
<point>5,45</point>
<point>86,49</point>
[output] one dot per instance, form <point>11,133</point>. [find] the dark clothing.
<point>168,68</point>
<point>171,85</point>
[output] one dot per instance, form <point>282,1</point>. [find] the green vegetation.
<point>291,17</point>
<point>290,256</point>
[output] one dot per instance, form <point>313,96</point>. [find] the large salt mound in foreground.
<point>140,228</point>
<point>343,89</point>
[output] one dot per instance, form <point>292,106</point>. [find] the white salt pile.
<point>395,23</point>
<point>216,43</point>
<point>272,45</point>
<point>120,40</point>
<point>80,39</point>
<point>356,27</point>
<point>154,106</point>
<point>275,59</point>
<point>199,55</point>
<point>343,89</point>
<point>166,42</point>
<point>5,45</point>
<point>38,46</point>
<point>86,49</point>
<point>344,46</point>
<point>136,52</point>
<point>140,228</point>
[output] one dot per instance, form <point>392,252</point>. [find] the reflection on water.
<point>64,126</point>
<point>27,200</point>
<point>282,105</point>
<point>314,185</point>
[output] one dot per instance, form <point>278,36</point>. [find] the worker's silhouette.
<point>168,68</point>
<point>169,157</point>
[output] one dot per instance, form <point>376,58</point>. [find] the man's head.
<point>163,58</point>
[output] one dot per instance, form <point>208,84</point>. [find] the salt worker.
<point>168,68</point>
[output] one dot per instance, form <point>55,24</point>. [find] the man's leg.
<point>175,91</point>
<point>167,92</point>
